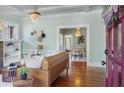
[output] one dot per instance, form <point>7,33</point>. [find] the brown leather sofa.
<point>51,68</point>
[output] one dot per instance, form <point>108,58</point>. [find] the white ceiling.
<point>21,11</point>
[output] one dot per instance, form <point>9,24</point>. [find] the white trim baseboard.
<point>95,64</point>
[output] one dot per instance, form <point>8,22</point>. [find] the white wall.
<point>10,20</point>
<point>50,23</point>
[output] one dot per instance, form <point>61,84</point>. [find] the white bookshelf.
<point>10,35</point>
<point>12,52</point>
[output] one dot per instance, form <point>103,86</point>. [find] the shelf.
<point>12,56</point>
<point>11,61</point>
<point>13,51</point>
<point>10,34</point>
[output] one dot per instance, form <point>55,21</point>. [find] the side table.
<point>8,75</point>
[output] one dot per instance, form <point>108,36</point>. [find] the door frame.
<point>75,26</point>
<point>70,37</point>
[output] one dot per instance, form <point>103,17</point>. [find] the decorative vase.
<point>11,64</point>
<point>23,76</point>
<point>39,48</point>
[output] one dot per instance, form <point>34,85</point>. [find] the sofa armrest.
<point>41,77</point>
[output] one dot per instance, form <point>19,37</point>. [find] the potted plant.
<point>23,72</point>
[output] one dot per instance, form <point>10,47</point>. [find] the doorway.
<point>68,42</point>
<point>78,46</point>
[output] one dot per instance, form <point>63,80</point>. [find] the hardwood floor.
<point>81,76</point>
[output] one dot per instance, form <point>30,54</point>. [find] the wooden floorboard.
<point>81,76</point>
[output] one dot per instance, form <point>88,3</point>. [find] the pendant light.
<point>35,15</point>
<point>78,33</point>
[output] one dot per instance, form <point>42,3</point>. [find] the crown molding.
<point>57,8</point>
<point>62,15</point>
<point>18,14</point>
<point>5,17</point>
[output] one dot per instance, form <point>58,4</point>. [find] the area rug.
<point>4,84</point>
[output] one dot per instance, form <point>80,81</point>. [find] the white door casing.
<point>75,26</point>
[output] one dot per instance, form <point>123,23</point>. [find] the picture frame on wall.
<point>81,39</point>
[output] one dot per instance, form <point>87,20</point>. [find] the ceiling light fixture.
<point>78,33</point>
<point>35,15</point>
